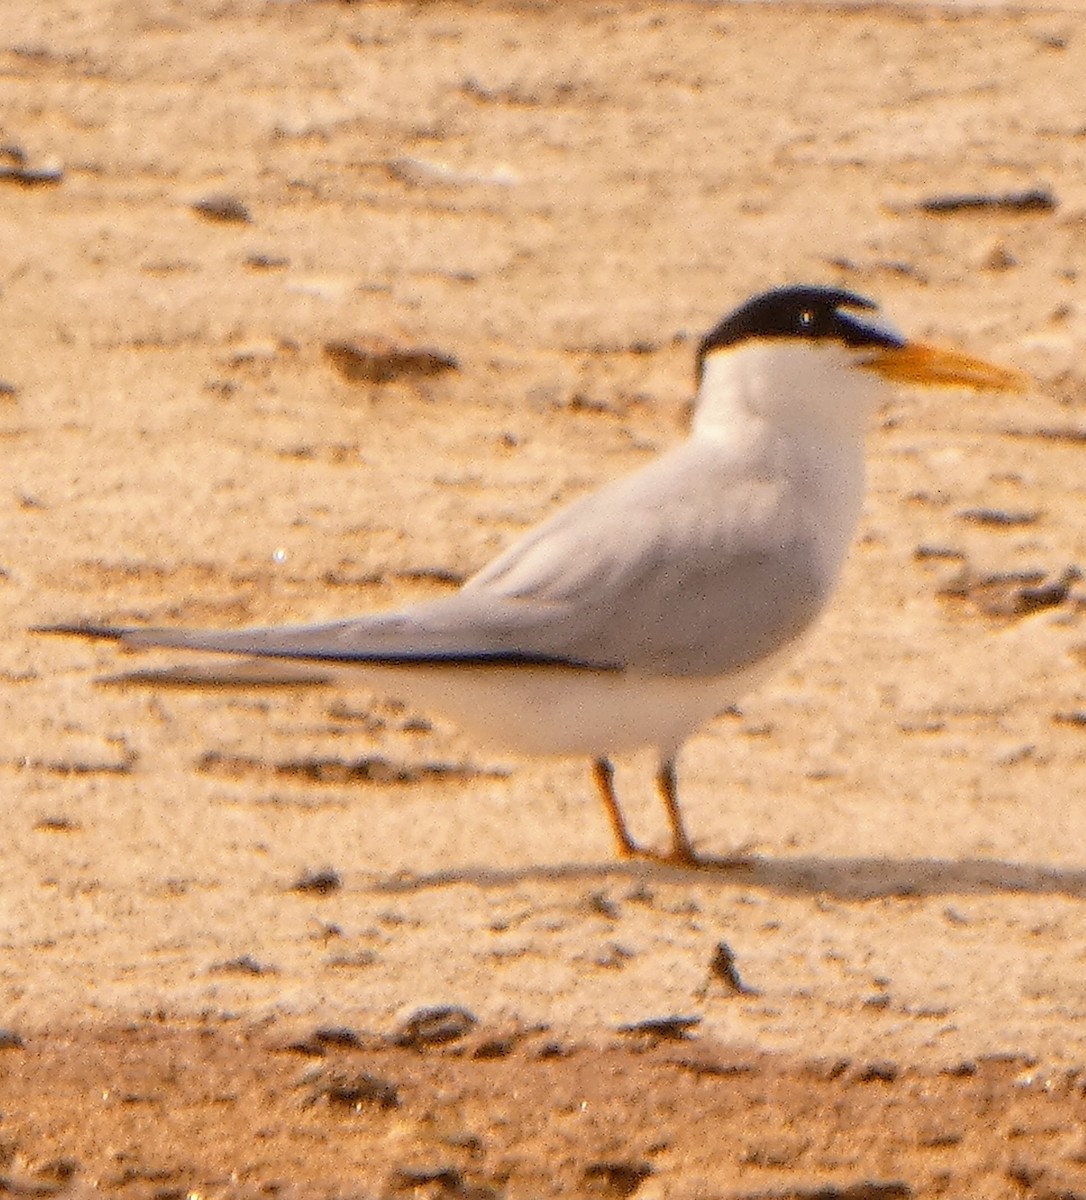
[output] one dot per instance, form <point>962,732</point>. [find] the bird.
<point>640,611</point>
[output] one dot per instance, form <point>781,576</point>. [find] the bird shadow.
<point>849,879</point>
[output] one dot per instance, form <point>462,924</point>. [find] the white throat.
<point>795,411</point>
<point>814,389</point>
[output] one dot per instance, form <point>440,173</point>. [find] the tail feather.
<point>84,629</point>
<point>411,637</point>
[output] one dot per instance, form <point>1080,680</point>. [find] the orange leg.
<point>604,775</point>
<point>682,848</point>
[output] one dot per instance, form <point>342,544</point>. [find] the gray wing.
<point>684,567</point>
<point>691,566</point>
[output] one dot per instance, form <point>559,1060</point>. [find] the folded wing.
<point>684,568</point>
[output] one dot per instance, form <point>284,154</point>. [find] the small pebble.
<point>245,964</point>
<point>222,208</point>
<point>618,1178</point>
<point>354,1091</point>
<point>56,825</point>
<point>434,1026</point>
<point>602,905</point>
<point>322,882</point>
<point>999,516</point>
<point>1010,593</point>
<point>878,1072</point>
<point>31,176</point>
<point>1029,200</point>
<point>998,258</point>
<point>379,360</point>
<point>450,1180</point>
<point>421,172</point>
<point>497,1047</point>
<point>664,1029</point>
<point>722,966</point>
<point>335,1035</point>
<point>266,262</point>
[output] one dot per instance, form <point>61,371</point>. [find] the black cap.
<point>802,311</point>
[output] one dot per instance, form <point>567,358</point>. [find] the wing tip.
<point>83,629</point>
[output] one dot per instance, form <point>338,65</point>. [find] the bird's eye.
<point>806,319</point>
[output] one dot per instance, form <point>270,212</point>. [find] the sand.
<point>555,200</point>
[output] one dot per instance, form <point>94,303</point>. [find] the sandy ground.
<point>560,197</point>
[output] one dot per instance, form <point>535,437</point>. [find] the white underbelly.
<point>562,711</point>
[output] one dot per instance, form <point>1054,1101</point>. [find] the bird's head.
<point>819,355</point>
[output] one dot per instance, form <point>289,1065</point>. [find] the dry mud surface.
<point>220,909</point>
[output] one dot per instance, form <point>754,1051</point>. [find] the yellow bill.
<point>935,366</point>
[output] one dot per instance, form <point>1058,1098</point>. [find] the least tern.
<point>643,609</point>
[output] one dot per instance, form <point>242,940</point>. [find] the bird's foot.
<point>682,854</point>
<point>686,856</point>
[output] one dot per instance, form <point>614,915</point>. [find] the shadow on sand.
<point>836,878</point>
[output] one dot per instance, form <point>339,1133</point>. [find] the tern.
<point>634,615</point>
